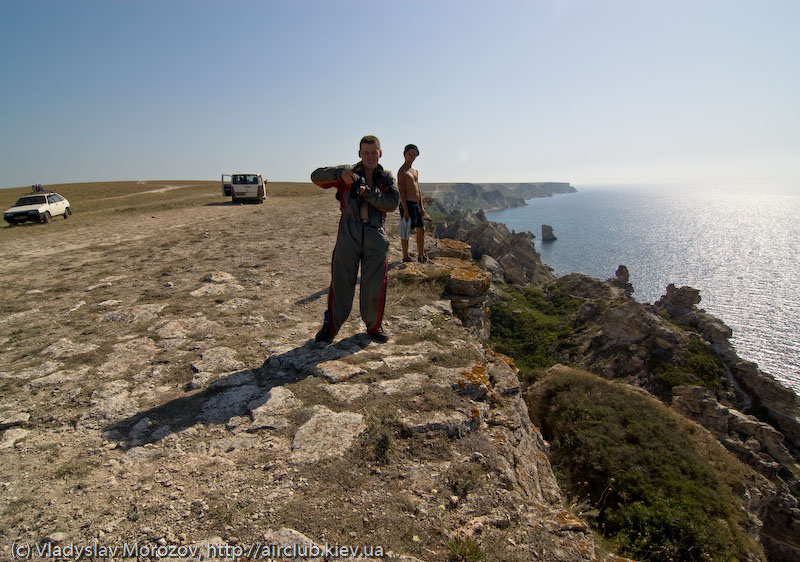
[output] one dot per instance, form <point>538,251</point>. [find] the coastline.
<point>741,268</point>
<point>490,196</point>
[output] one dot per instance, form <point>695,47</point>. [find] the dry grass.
<point>91,202</point>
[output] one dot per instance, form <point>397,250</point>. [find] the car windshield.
<point>30,200</point>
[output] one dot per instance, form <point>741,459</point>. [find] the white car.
<point>244,187</point>
<point>37,207</point>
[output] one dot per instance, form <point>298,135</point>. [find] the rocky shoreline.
<point>618,338</point>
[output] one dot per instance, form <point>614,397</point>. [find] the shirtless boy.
<point>411,208</point>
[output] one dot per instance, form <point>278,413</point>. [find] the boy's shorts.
<point>405,228</point>
<point>407,224</point>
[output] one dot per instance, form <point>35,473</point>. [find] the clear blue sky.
<point>584,91</point>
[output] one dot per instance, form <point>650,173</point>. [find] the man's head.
<point>369,150</point>
<point>410,153</point>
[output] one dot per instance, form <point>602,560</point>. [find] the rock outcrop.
<point>518,262</point>
<point>467,285</point>
<point>547,233</point>
<point>758,391</point>
<point>755,442</point>
<point>617,337</point>
<point>621,281</point>
<point>449,197</point>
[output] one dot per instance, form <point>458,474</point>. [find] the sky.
<point>580,91</point>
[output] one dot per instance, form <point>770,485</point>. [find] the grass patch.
<point>110,200</point>
<point>227,511</point>
<point>460,357</point>
<point>654,488</point>
<point>21,509</point>
<point>465,550</point>
<point>462,478</point>
<point>531,325</point>
<point>379,442</point>
<point>349,511</point>
<point>73,468</point>
<point>419,292</point>
<point>700,367</point>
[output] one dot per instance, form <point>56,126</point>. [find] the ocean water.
<point>740,247</point>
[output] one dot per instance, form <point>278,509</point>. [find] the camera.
<point>355,187</point>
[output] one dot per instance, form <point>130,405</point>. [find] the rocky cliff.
<point>665,349</point>
<point>448,197</point>
<point>509,257</point>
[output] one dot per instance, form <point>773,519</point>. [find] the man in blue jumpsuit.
<point>361,239</point>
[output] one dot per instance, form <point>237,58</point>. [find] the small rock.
<point>327,434</point>
<point>140,429</point>
<point>13,436</point>
<point>137,313</point>
<point>337,371</point>
<point>216,360</point>
<point>20,418</point>
<point>96,286</point>
<point>199,380</point>
<point>64,348</point>
<point>219,277</point>
<point>55,538</point>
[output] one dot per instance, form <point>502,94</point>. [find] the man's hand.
<point>348,176</point>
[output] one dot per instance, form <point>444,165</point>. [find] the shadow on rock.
<point>259,393</point>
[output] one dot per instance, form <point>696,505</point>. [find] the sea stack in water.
<point>547,233</point>
<point>622,280</point>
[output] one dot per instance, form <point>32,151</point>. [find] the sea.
<point>739,246</point>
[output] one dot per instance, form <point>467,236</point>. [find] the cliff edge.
<point>161,391</point>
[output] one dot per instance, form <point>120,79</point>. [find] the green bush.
<point>704,363</point>
<point>700,367</point>
<point>655,494</point>
<point>465,550</point>
<point>531,325</point>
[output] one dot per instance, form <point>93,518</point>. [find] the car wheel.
<point>46,217</point>
<point>67,213</point>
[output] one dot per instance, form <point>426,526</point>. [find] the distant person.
<point>366,192</point>
<point>411,207</point>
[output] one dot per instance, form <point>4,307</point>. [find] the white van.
<point>244,187</point>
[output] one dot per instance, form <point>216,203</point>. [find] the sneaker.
<point>408,259</point>
<point>380,336</point>
<point>422,259</point>
<point>324,334</point>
